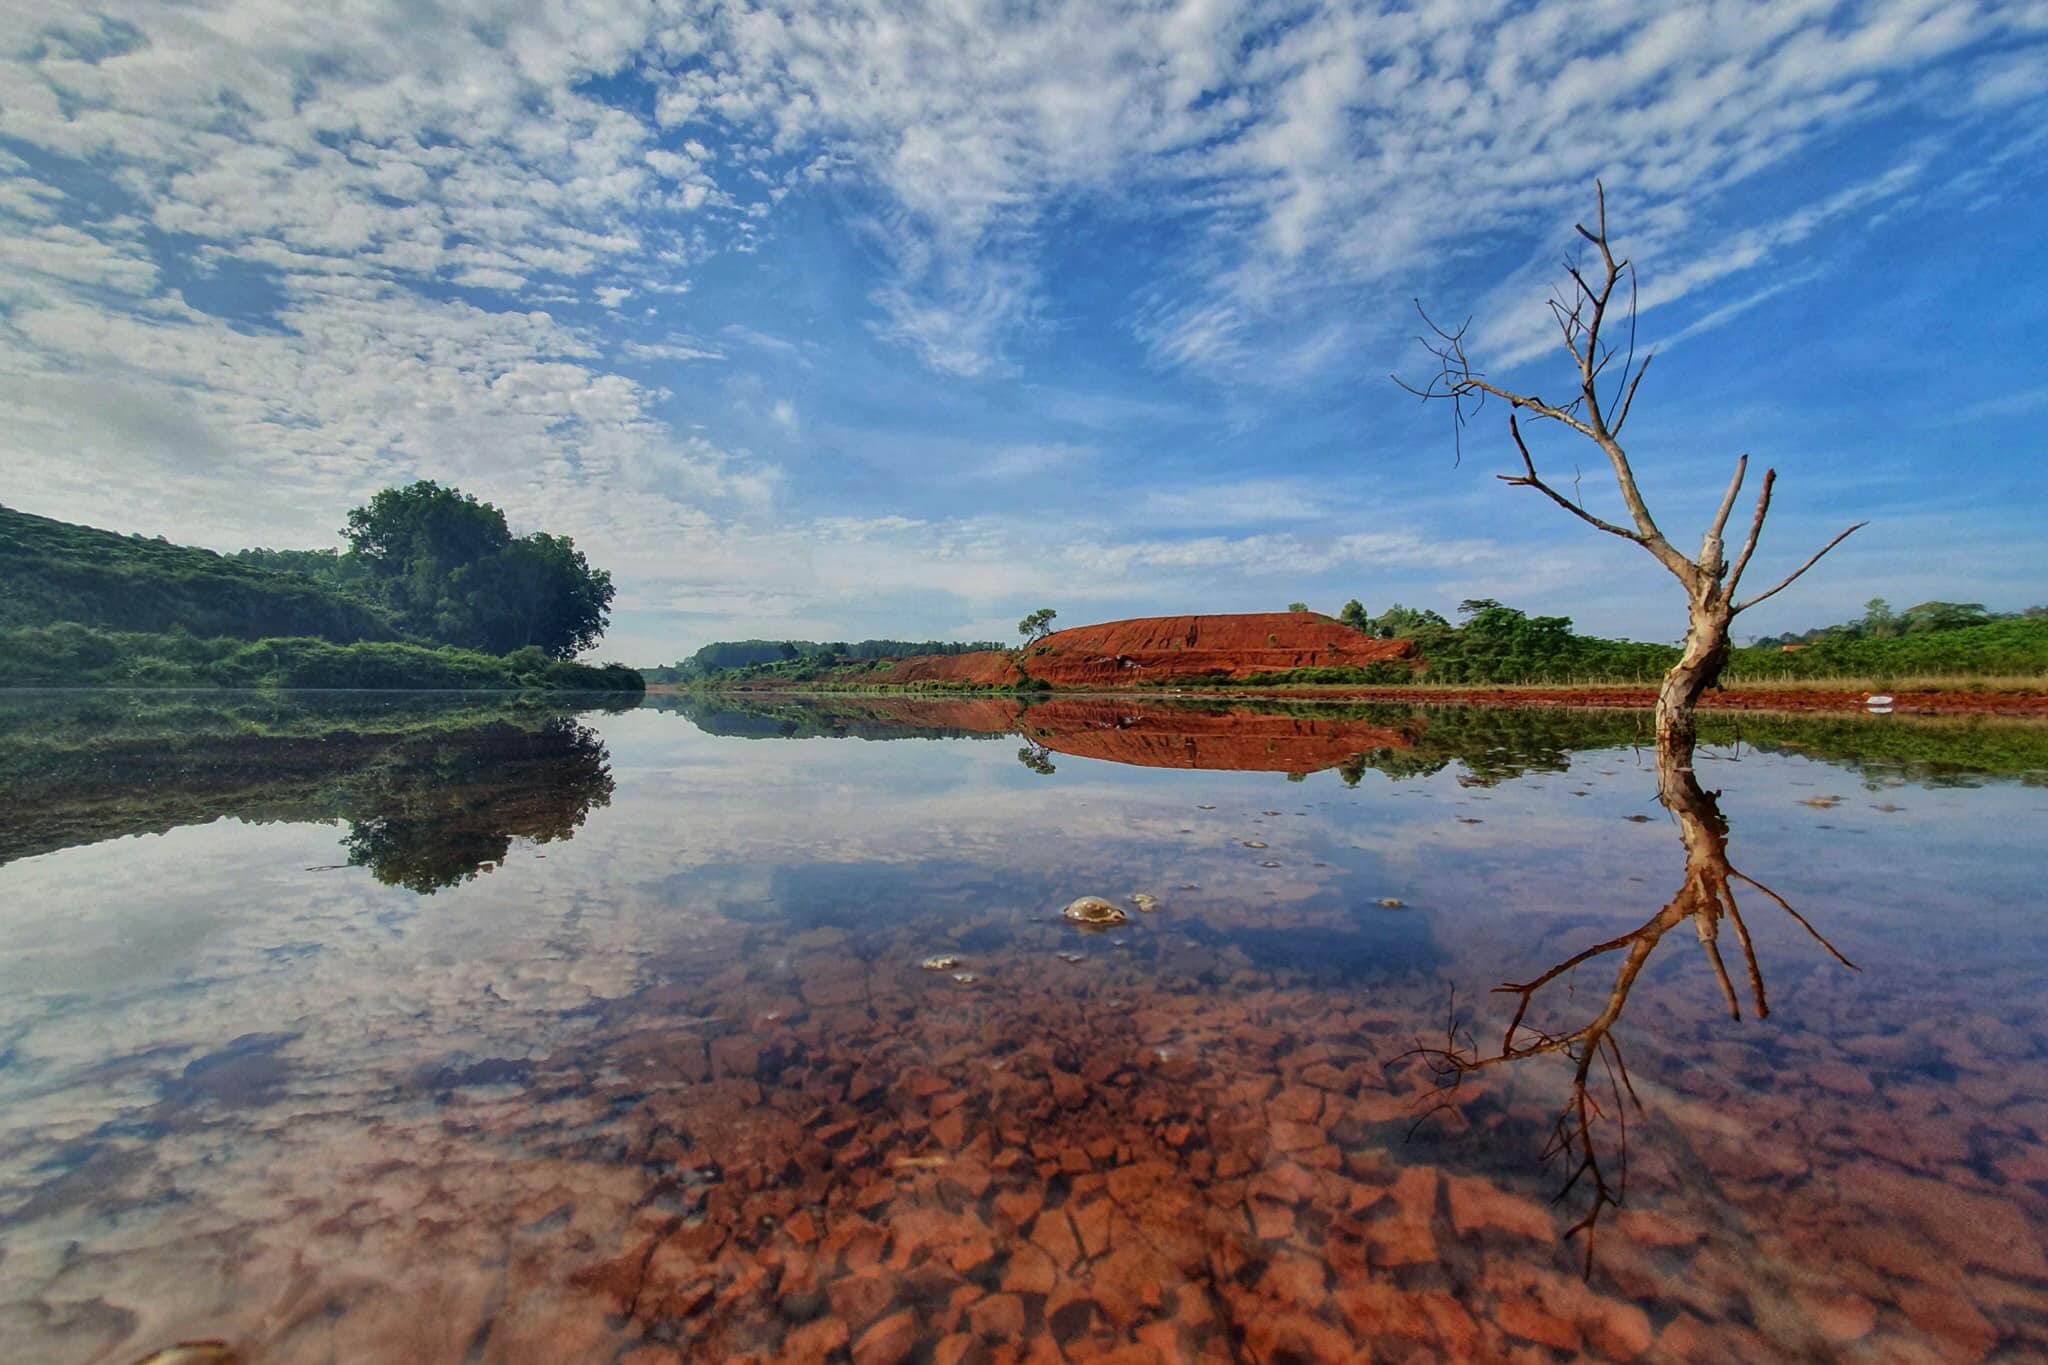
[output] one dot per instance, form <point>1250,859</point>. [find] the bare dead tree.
<point>1705,899</point>
<point>1582,314</point>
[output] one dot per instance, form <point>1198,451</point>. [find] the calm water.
<point>414,1029</point>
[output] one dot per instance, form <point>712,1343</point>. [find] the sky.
<point>833,320</point>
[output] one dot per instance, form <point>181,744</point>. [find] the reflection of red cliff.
<point>1153,649</point>
<point>1237,741</point>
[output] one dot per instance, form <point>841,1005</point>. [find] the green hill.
<point>53,571</point>
<point>81,607</point>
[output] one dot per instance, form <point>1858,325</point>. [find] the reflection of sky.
<point>192,938</point>
<point>130,959</point>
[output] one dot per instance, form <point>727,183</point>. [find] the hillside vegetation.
<point>55,571</point>
<point>434,592</point>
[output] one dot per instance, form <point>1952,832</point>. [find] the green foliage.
<point>2014,645</point>
<point>726,656</point>
<point>1404,623</point>
<point>1880,622</point>
<point>68,655</point>
<point>449,568</point>
<point>55,571</point>
<point>1297,606</point>
<point>427,566</point>
<point>1037,625</point>
<point>1353,615</point>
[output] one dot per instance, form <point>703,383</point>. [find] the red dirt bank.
<point>1152,649</point>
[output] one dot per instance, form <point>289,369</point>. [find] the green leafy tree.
<point>449,567</point>
<point>1297,606</point>
<point>538,590</point>
<point>1037,625</point>
<point>1354,615</point>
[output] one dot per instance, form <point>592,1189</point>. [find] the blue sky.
<point>834,320</point>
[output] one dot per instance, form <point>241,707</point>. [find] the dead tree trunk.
<point>1710,581</point>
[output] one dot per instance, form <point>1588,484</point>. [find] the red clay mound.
<point>987,668</point>
<point>1237,741</point>
<point>1158,648</point>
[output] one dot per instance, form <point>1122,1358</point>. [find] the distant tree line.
<point>1880,622</point>
<point>1494,643</point>
<point>729,656</point>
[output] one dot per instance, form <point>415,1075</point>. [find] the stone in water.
<point>1094,910</point>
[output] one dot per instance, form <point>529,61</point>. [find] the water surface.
<point>409,1028</point>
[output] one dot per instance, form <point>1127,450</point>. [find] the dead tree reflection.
<point>1706,900</point>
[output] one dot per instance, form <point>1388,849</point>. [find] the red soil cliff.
<point>1153,649</point>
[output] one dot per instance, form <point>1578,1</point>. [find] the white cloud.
<point>1351,143</point>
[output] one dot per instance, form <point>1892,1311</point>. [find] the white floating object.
<point>1878,704</point>
<point>940,962</point>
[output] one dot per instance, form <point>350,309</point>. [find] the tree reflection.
<point>439,811</point>
<point>1580,1138</point>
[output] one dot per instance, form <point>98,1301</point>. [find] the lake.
<point>367,1027</point>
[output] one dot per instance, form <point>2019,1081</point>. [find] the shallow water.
<point>383,1028</point>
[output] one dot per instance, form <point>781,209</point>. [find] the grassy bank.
<point>68,655</point>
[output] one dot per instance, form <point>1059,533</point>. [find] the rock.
<point>859,1296</point>
<point>999,1317</point>
<point>892,1339</point>
<point>1070,1090</point>
<point>734,1056</point>
<point>1146,904</point>
<point>1296,1137</point>
<point>940,962</point>
<point>1091,1222</point>
<point>1523,1317</point>
<point>1020,1206</point>
<point>1053,1233</point>
<point>212,1352</point>
<point>1094,911</point>
<point>1479,1204</point>
<point>1030,1271</point>
<point>819,1341</point>
<point>966,978</point>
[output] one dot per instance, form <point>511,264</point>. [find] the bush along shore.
<point>69,655</point>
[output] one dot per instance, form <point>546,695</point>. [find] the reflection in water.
<point>1491,744</point>
<point>684,1089</point>
<point>440,811</point>
<point>1705,898</point>
<point>431,795</point>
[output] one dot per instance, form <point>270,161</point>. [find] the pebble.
<point>1094,910</point>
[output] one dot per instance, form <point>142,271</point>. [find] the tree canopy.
<point>447,565</point>
<point>1037,625</point>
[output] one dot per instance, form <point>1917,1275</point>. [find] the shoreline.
<point>1931,702</point>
